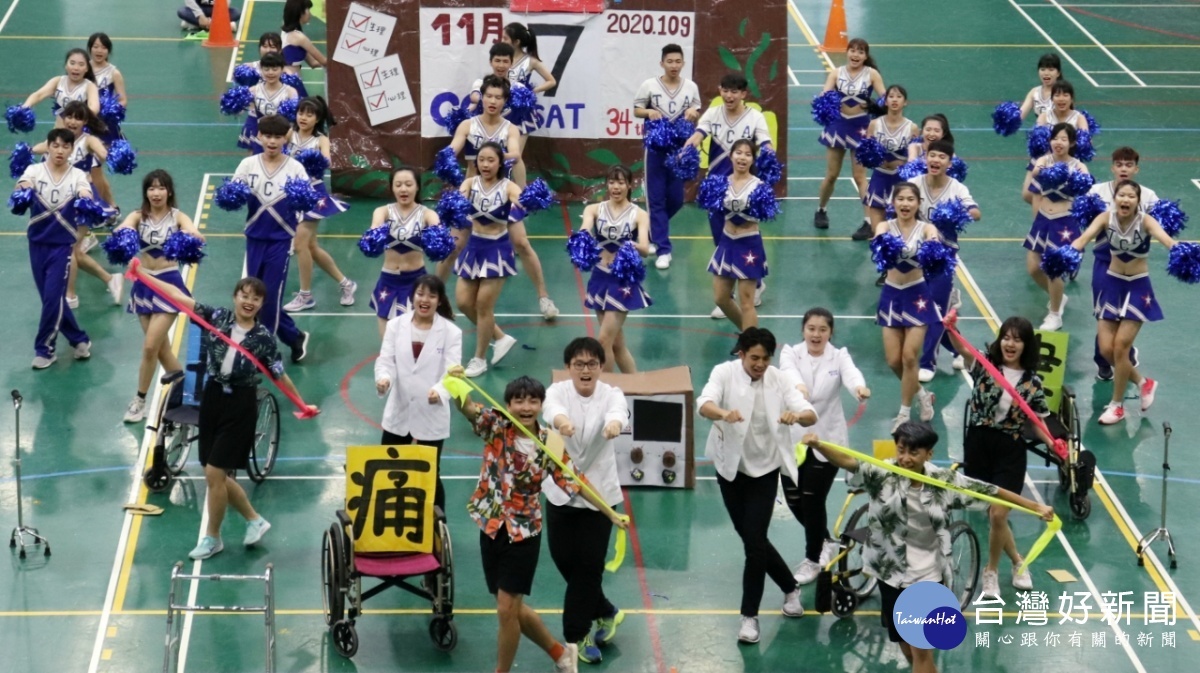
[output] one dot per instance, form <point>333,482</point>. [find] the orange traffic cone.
<point>836,38</point>
<point>220,32</point>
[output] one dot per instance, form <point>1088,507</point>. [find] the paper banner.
<point>364,36</point>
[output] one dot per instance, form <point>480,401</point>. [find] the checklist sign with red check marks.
<point>384,89</point>
<point>364,36</point>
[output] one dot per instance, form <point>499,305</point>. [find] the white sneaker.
<point>663,262</point>
<point>115,284</point>
<point>548,309</point>
<point>184,25</point>
<point>991,583</point>
<point>502,347</point>
<point>758,293</point>
<point>925,375</point>
<point>959,363</point>
<point>569,661</point>
<point>348,288</point>
<point>41,362</point>
<point>806,572</point>
<point>72,302</point>
<point>1022,581</point>
<point>717,313</point>
<point>1113,413</point>
<point>255,530</point>
<point>926,400</point>
<point>88,243</point>
<point>653,249</point>
<point>1052,322</point>
<point>955,299</point>
<point>82,350</point>
<point>898,421</point>
<point>829,551</point>
<point>303,301</point>
<point>475,367</point>
<point>791,603</point>
<point>136,412</point>
<point>749,631</point>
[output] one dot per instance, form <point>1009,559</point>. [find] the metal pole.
<point>1161,532</point>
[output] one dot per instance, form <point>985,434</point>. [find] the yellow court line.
<point>245,23</point>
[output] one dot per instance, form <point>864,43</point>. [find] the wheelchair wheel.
<point>345,638</point>
<point>266,438</point>
<point>1081,506</point>
<point>446,574</point>
<point>964,559</point>
<point>333,575</point>
<point>157,478</point>
<point>861,584</point>
<point>175,438</point>
<point>844,602</point>
<point>443,633</point>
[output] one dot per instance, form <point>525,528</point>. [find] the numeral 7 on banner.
<point>571,33</point>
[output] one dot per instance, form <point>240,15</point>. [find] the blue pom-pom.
<point>658,135</point>
<point>537,196</point>
<point>293,81</point>
<point>627,265</point>
<point>455,117</point>
<point>768,168</point>
<point>878,107</point>
<point>685,164</point>
<point>20,119</point>
<point>827,107</point>
<point>762,204</point>
<point>122,246</point>
<point>522,101</point>
<point>1061,261</point>
<point>20,159</point>
<point>885,251</point>
<point>581,247</point>
<point>1006,118</point>
<point>681,130</point>
<point>950,216</point>
<point>870,152</point>
<point>287,109</point>
<point>507,167</point>
<point>1184,262</point>
<point>374,241</point>
<point>937,259</point>
<point>1084,151</point>
<point>21,199</point>
<point>122,158</point>
<point>454,210</point>
<point>1087,208</point>
<point>1093,125</point>
<point>1038,141</point>
<point>236,100</point>
<point>912,169</point>
<point>232,194</point>
<point>958,169</point>
<point>314,162</point>
<point>183,247</point>
<point>1172,219</point>
<point>89,212</point>
<point>445,166</point>
<point>300,194</point>
<point>711,194</point>
<point>437,242</point>
<point>246,75</point>
<point>889,213</point>
<point>1078,183</point>
<point>111,110</point>
<point>1053,177</point>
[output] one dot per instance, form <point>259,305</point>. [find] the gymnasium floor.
<point>98,603</point>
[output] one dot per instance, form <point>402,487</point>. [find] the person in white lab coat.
<point>819,370</point>
<point>418,347</point>
<point>589,414</point>
<point>750,403</point>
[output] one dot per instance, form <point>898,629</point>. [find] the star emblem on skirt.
<point>1065,235</point>
<point>1147,299</point>
<point>625,291</point>
<point>383,295</point>
<point>749,258</point>
<point>921,304</point>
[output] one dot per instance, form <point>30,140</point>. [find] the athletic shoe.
<point>758,292</point>
<point>209,546</point>
<point>1149,386</point>
<point>864,232</point>
<point>348,288</point>
<point>548,309</point>
<point>807,571</point>
<point>898,421</point>
<point>749,631</point>
<point>717,313</point>
<point>115,284</point>
<point>991,583</point>
<point>88,243</point>
<point>475,367</point>
<point>300,350</point>
<point>663,262</point>
<point>1052,322</point>
<point>569,661</point>
<point>955,298</point>
<point>959,363</point>
<point>820,221</point>
<point>1104,372</point>
<point>1133,356</point>
<point>136,412</point>
<point>606,627</point>
<point>40,362</point>
<point>926,399</point>
<point>925,375</point>
<point>881,280</point>
<point>501,347</point>
<point>1022,581</point>
<point>588,652</point>
<point>1113,413</point>
<point>72,302</point>
<point>303,301</point>
<point>829,550</point>
<point>791,604</point>
<point>255,530</point>
<point>184,25</point>
<point>82,350</point>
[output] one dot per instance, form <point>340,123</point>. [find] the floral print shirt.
<point>259,341</point>
<point>885,556</point>
<point>981,410</point>
<point>510,480</point>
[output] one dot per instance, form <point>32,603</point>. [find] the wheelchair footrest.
<point>824,591</point>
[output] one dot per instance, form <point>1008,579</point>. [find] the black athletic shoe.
<point>1133,356</point>
<point>881,279</point>
<point>1104,372</point>
<point>863,233</point>
<point>821,220</point>
<point>300,349</point>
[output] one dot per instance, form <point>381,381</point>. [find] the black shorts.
<point>887,597</point>
<point>993,456</point>
<point>509,565</point>
<point>227,426</point>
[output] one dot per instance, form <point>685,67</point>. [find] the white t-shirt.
<point>1013,376</point>
<point>759,455</point>
<point>237,335</point>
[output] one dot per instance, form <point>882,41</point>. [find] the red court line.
<point>647,604</point>
<point>1130,24</point>
<point>579,285</point>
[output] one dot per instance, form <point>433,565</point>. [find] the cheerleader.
<point>154,222</point>
<point>1053,225</point>
<point>1062,108</point>
<point>935,127</point>
<point>298,50</point>
<point>268,95</point>
<point>859,82</point>
<point>1039,99</point>
<point>525,63</point>
<point>906,305</point>
<point>897,134</point>
<point>310,132</point>
<point>740,258</point>
<point>487,260</point>
<point>79,83</point>
<point>404,258</point>
<point>268,43</point>
<point>108,79</point>
<point>613,222</point>
<point>1126,298</point>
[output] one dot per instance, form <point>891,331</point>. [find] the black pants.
<point>750,501</point>
<point>439,496</point>
<point>807,501</point>
<point>578,539</point>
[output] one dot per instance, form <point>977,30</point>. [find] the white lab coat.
<point>729,388</point>
<point>833,370</point>
<point>407,410</point>
<point>593,455</point>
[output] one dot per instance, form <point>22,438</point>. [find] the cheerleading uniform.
<point>723,132</point>
<point>519,75</point>
<point>489,255</point>
<point>740,255</point>
<point>294,56</point>
<point>393,291</point>
<point>151,236</point>
<point>525,124</point>
<point>1100,252</point>
<point>65,93</point>
<point>1051,231</point>
<point>478,135</point>
<point>270,228</point>
<point>1040,104</point>
<point>51,235</point>
<point>1053,119</point>
<point>846,131</point>
<point>895,144</point>
<point>1124,297</point>
<point>909,305</point>
<point>104,82</point>
<point>327,206</point>
<point>81,157</point>
<point>265,103</point>
<point>664,191</point>
<point>605,292</point>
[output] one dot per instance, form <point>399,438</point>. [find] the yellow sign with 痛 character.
<point>1052,366</point>
<point>389,497</point>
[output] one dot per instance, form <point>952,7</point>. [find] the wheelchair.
<point>428,576</point>
<point>177,424</point>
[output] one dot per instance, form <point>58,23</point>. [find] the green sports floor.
<point>98,604</point>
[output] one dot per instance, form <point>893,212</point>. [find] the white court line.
<point>1149,86</point>
<point>631,318</point>
<point>810,35</point>
<point>1054,44</point>
<point>1098,43</point>
<point>1150,72</point>
<point>4,21</point>
<point>1196,182</point>
<point>1104,4</point>
<point>792,74</point>
<point>243,26</point>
